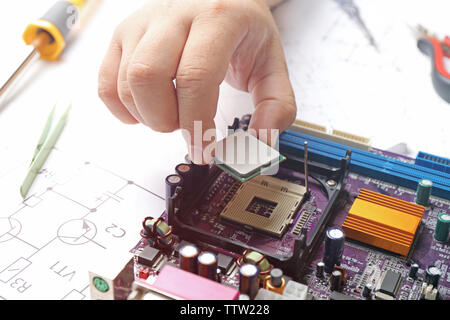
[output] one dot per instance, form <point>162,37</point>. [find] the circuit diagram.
<point>76,214</point>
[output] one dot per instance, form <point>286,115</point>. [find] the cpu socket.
<point>265,203</point>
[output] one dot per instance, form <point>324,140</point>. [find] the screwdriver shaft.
<point>42,39</point>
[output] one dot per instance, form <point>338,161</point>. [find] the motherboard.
<point>340,220</point>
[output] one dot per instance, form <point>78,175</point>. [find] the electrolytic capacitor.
<point>188,258</point>
<point>433,275</point>
<point>276,282</point>
<point>335,280</point>
<point>186,171</point>
<point>207,265</point>
<point>442,227</point>
<point>367,291</point>
<point>320,267</point>
<point>334,247</point>
<point>413,271</point>
<point>249,280</point>
<point>172,181</point>
<point>423,192</point>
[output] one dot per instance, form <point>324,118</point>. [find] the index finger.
<point>203,66</point>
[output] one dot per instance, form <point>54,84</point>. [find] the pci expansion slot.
<point>371,164</point>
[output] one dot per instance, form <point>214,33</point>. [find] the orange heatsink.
<point>383,221</point>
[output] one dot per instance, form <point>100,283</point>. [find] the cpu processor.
<point>243,156</point>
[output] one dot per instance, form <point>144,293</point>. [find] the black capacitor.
<point>276,277</point>
<point>185,170</point>
<point>433,275</point>
<point>413,270</point>
<point>200,171</point>
<point>207,265</point>
<point>335,280</point>
<point>320,267</point>
<point>249,280</point>
<point>188,258</point>
<point>172,181</point>
<point>367,291</point>
<point>334,247</point>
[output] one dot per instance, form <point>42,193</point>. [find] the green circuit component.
<point>162,228</point>
<point>100,284</point>
<point>442,227</point>
<point>254,257</point>
<point>423,192</point>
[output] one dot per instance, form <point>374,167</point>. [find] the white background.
<point>339,80</point>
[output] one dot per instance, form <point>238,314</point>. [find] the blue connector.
<point>434,162</point>
<point>366,163</point>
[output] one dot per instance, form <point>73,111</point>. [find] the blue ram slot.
<point>434,162</point>
<point>366,163</point>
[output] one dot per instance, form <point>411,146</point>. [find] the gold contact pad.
<point>265,203</point>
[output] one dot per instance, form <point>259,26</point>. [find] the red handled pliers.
<point>437,50</point>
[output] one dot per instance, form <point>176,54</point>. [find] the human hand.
<point>197,43</point>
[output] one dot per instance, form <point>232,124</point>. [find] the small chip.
<point>243,156</point>
<point>224,262</point>
<point>390,283</point>
<point>147,257</point>
<point>335,295</point>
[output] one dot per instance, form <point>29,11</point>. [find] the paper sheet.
<point>105,177</point>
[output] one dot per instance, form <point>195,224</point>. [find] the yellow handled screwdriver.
<point>48,34</point>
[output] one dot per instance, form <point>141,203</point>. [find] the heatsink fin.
<point>383,221</point>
